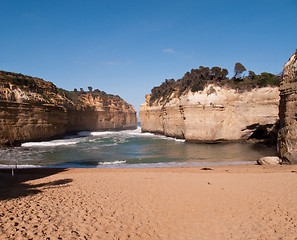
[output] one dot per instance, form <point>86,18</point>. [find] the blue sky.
<point>128,47</point>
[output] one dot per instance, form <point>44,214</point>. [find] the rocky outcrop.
<point>287,137</point>
<point>34,109</point>
<point>217,113</point>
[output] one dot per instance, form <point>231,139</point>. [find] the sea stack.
<point>287,137</point>
<point>205,106</point>
<point>33,109</point>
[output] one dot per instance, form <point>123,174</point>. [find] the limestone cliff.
<point>217,113</point>
<point>34,109</point>
<point>287,138</point>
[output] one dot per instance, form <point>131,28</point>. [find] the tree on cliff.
<point>215,73</point>
<point>268,79</point>
<point>238,70</point>
<point>224,73</point>
<point>90,88</point>
<point>252,75</point>
<point>197,79</point>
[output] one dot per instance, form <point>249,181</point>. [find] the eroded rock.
<point>214,114</point>
<point>287,137</point>
<point>290,157</point>
<point>34,109</point>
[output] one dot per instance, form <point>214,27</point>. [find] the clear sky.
<point>128,47</point>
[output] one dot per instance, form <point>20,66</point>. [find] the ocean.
<point>128,149</point>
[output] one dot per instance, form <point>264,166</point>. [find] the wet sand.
<point>226,202</point>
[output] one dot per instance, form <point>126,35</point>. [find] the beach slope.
<point>238,202</point>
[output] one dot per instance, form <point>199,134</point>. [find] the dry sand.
<point>227,202</point>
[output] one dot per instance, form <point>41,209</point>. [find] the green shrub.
<point>197,79</point>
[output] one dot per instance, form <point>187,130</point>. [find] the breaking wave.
<point>53,143</point>
<point>128,133</point>
<point>112,163</point>
<point>124,149</point>
<point>85,136</point>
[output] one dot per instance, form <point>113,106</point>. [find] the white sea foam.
<point>123,132</point>
<point>110,144</point>
<point>86,134</point>
<point>130,133</point>
<point>177,164</point>
<point>112,163</point>
<point>54,143</point>
<point>138,132</point>
<point>71,140</point>
<point>102,133</point>
<point>18,166</point>
<point>170,138</point>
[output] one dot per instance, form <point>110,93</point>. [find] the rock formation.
<point>287,137</point>
<point>217,113</point>
<point>34,109</point>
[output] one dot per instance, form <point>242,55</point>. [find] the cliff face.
<point>101,113</point>
<point>214,114</point>
<point>33,109</point>
<point>287,138</point>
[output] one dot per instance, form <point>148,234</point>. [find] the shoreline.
<point>251,167</point>
<point>119,165</point>
<point>237,201</point>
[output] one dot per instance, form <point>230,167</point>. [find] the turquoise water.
<point>129,148</point>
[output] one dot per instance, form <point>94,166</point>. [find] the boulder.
<point>269,160</point>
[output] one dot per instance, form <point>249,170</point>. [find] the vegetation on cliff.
<point>32,109</point>
<point>24,82</point>
<point>47,92</point>
<point>197,79</point>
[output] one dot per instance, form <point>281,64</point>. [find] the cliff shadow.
<point>16,186</point>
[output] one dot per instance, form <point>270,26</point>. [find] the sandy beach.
<point>226,202</point>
